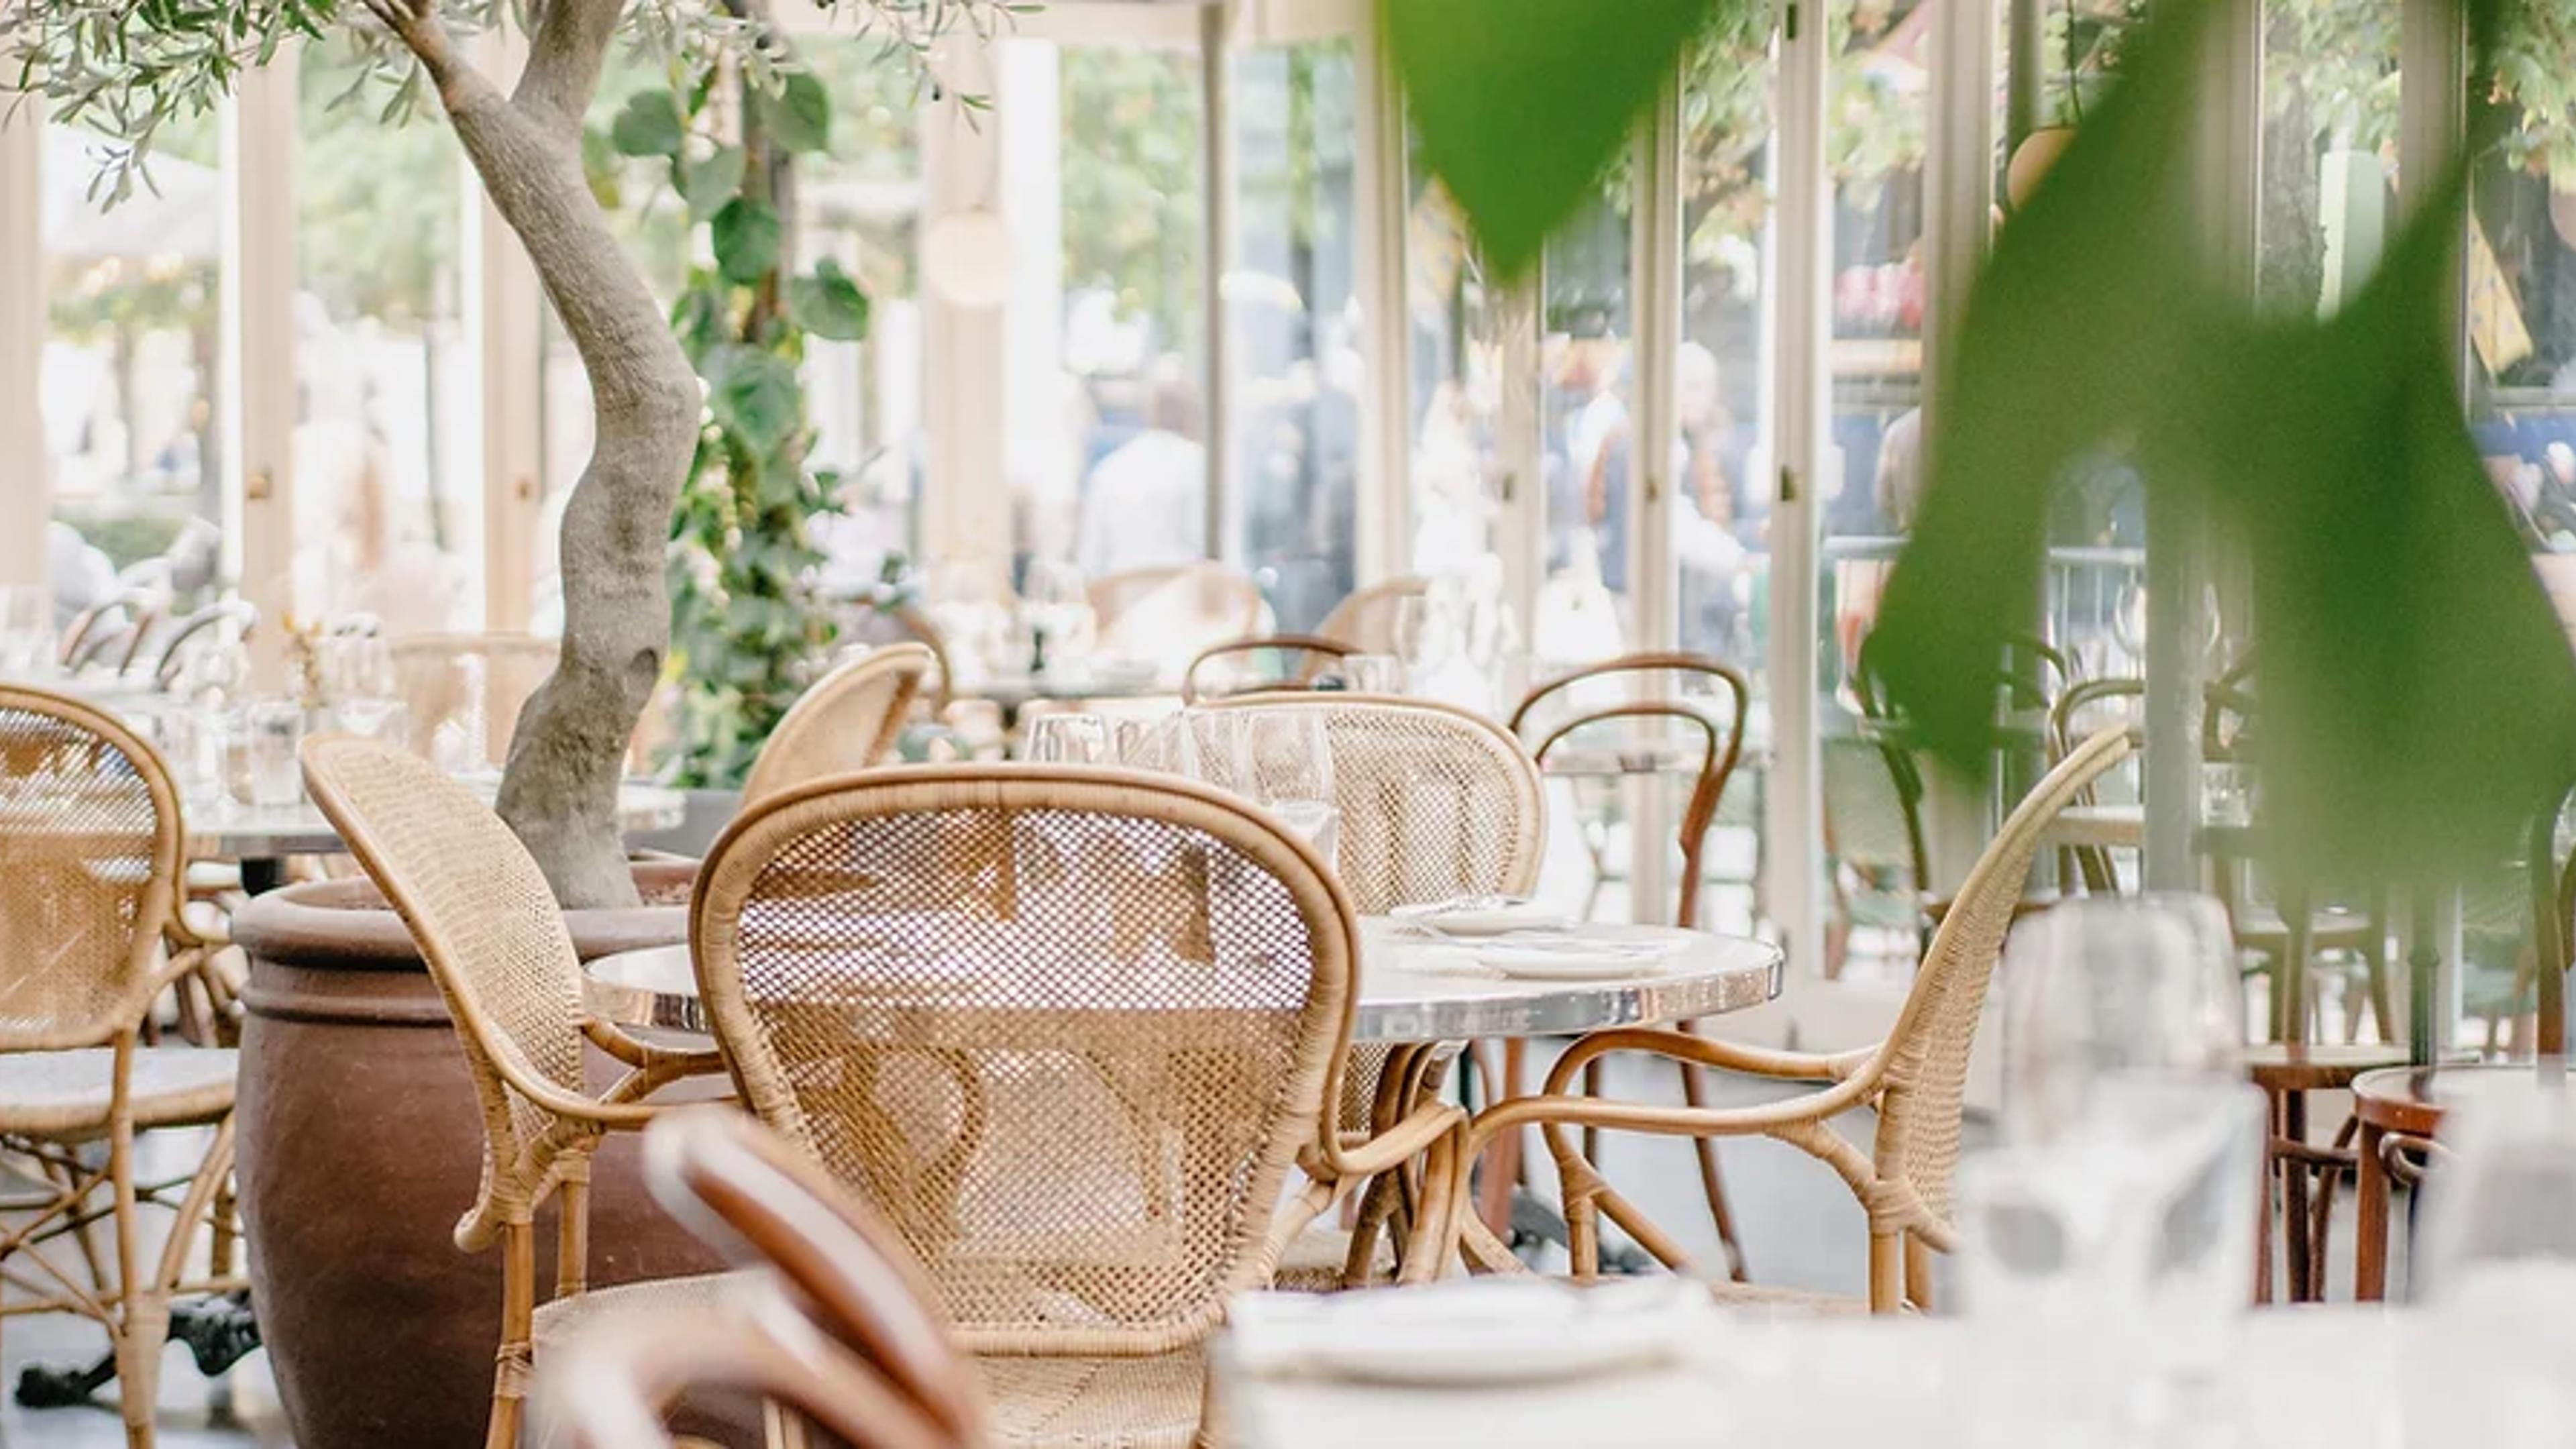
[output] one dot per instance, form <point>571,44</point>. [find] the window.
<point>860,205</point>
<point>1110,473</point>
<point>2522,294</point>
<point>1292,457</point>
<point>130,362</point>
<point>1587,398</point>
<point>1456,346</point>
<point>389,493</point>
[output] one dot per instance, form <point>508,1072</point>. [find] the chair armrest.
<point>1407,1139</point>
<point>1709,1052</point>
<point>612,1039</point>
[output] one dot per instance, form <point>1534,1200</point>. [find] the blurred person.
<point>1145,504</point>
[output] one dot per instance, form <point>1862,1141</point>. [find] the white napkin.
<point>1470,1330</point>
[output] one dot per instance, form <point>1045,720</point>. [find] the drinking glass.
<point>215,668</point>
<point>1166,746</point>
<point>1069,739</point>
<point>2498,1261</point>
<point>2122,1207</point>
<point>1373,673</point>
<point>275,729</point>
<point>1056,607</point>
<point>2226,793</point>
<point>356,666</point>
<point>1283,762</point>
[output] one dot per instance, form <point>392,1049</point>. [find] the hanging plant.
<point>747,632</point>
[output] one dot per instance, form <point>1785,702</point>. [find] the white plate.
<point>1571,959</point>
<point>1474,1332</point>
<point>1482,916</point>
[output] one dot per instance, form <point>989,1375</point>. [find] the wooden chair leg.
<point>1504,1167</point>
<point>143,1312</point>
<point>1712,1186</point>
<point>1886,1272</point>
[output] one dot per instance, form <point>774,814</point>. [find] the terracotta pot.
<point>361,1145</point>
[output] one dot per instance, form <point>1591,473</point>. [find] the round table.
<point>262,836</point>
<point>2409,1102</point>
<point>1705,975</point>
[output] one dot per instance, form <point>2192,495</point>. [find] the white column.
<point>505,338</point>
<point>1655,309</point>
<point>1218,175</point>
<point>1383,205</point>
<point>974,403</point>
<point>26,491</point>
<point>1794,806</point>
<point>258,365</point>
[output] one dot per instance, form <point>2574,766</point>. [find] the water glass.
<point>2227,794</point>
<point>355,666</point>
<point>2110,986</point>
<point>372,717</point>
<point>1165,746</point>
<point>1283,762</point>
<point>2498,1263</point>
<point>1373,674</point>
<point>275,730</point>
<point>1069,739</point>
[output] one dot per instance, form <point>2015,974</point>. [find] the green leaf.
<point>600,167</point>
<point>650,125</point>
<point>708,183</point>
<point>829,303</point>
<point>2416,696</point>
<point>747,234</point>
<point>754,394</point>
<point>1520,104</point>
<point>798,116</point>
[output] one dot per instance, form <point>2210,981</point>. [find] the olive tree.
<point>129,68</point>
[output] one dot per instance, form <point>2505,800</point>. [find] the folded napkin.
<point>1476,1330</point>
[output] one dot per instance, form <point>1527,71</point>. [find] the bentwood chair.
<point>1436,803</point>
<point>1270,661</point>
<point>90,856</point>
<point>1366,620</point>
<point>197,630</point>
<point>488,927</point>
<point>1067,1030</point>
<point>847,720</point>
<point>1722,745</point>
<point>1914,1080</point>
<point>843,1328</point>
<point>1167,615</point>
<point>471,684</point>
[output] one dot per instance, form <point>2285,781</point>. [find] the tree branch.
<point>567,47</point>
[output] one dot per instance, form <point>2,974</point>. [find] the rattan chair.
<point>1436,803</point>
<point>843,1328</point>
<point>486,924</point>
<point>847,720</point>
<point>1722,745</point>
<point>1067,1030</point>
<point>89,877</point>
<point>1366,620</point>
<point>1914,1080</point>
<point>474,683</point>
<point>1167,615</point>
<point>1266,662</point>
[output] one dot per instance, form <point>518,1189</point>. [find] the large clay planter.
<point>361,1144</point>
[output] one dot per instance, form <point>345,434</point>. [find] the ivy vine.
<point>746,629</point>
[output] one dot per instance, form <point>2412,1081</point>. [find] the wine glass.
<point>1283,762</point>
<point>1056,606</point>
<point>1069,739</point>
<point>2124,1201</point>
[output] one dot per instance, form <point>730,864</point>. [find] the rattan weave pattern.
<point>1065,1029</point>
<point>1095,1403</point>
<point>90,840</point>
<point>493,936</point>
<point>846,720</point>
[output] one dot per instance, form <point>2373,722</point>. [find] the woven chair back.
<point>90,852</point>
<point>1436,802</point>
<point>1366,619</point>
<point>1926,1054</point>
<point>477,683</point>
<point>846,720</point>
<point>488,927</point>
<point>1065,1029</point>
<point>1271,661</point>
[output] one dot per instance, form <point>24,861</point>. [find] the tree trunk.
<point>559,787</point>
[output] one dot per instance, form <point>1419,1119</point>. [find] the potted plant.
<point>352,1098</point>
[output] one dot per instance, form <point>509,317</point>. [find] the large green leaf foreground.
<point>2418,696</point>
